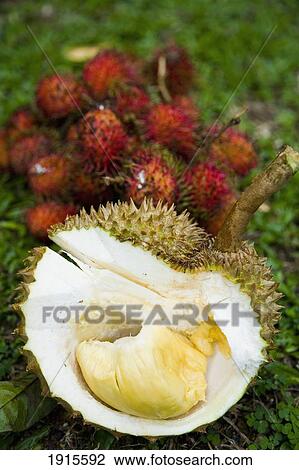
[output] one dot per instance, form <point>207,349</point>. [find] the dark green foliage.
<point>21,405</point>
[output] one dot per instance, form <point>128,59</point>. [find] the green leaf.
<point>264,442</point>
<point>6,440</point>
<point>262,426</point>
<point>286,374</point>
<point>104,439</point>
<point>32,442</point>
<point>284,412</point>
<point>21,404</point>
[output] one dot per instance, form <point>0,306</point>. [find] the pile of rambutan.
<point>124,129</point>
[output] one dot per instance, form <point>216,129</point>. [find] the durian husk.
<point>176,240</point>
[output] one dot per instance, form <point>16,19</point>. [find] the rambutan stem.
<point>162,72</point>
<point>235,121</point>
<point>108,180</point>
<point>275,175</point>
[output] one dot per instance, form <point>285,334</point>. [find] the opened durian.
<point>142,322</point>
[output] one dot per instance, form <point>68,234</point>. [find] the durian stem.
<point>275,175</point>
<point>162,71</point>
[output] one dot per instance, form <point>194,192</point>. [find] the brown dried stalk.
<point>212,137</point>
<point>275,175</point>
<point>162,72</point>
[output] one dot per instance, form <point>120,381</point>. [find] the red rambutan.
<point>21,121</point>
<point>179,69</point>
<point>73,133</point>
<point>153,173</point>
<point>40,218</point>
<point>131,103</point>
<point>50,175</point>
<point>89,189</point>
<point>103,138</point>
<point>206,187</point>
<point>169,125</point>
<point>133,143</point>
<point>234,150</point>
<point>58,96</point>
<point>4,160</point>
<point>108,70</point>
<point>28,148</point>
<point>213,224</point>
<point>187,105</point>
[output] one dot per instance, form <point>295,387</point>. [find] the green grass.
<point>223,37</point>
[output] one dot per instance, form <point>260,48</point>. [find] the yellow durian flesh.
<point>158,374</point>
<point>206,335</point>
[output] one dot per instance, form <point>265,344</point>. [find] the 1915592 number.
<point>77,459</point>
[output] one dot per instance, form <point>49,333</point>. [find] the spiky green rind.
<point>32,366</point>
<point>186,247</point>
<point>159,229</point>
<point>22,291</point>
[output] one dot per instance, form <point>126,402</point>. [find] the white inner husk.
<point>107,272</point>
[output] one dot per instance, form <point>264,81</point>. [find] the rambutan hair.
<point>26,149</point>
<point>169,125</point>
<point>57,96</point>
<point>89,189</point>
<point>234,150</point>
<point>40,217</point>
<point>206,186</point>
<point>22,121</point>
<point>51,175</point>
<point>179,69</point>
<point>187,105</point>
<point>153,172</point>
<point>107,71</point>
<point>103,138</point>
<point>131,103</point>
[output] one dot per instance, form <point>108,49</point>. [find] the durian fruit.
<point>167,372</point>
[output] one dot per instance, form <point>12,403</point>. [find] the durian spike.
<point>275,175</point>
